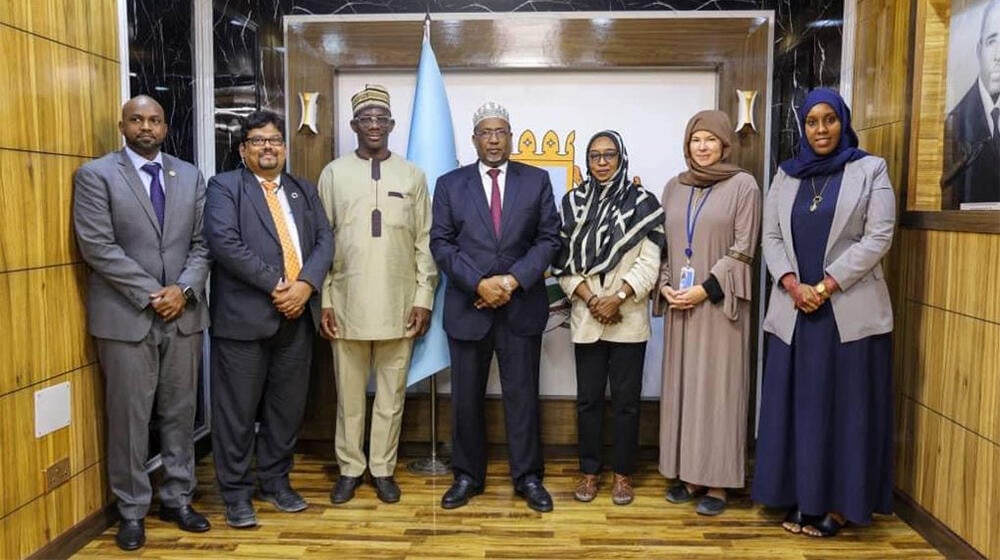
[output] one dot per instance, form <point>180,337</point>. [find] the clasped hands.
<point>417,323</point>
<point>688,298</point>
<point>168,302</point>
<point>606,309</point>
<point>805,297</point>
<point>290,298</point>
<point>495,291</point>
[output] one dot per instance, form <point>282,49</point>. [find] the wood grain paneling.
<point>882,59</point>
<point>955,271</point>
<point>35,207</point>
<point>497,524</point>
<point>964,354</point>
<point>28,528</point>
<point>58,99</point>
<point>927,136</point>
<point>43,321</point>
<point>953,473</point>
<point>25,457</point>
<point>88,26</point>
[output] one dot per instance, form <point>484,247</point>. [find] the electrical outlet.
<point>56,474</point>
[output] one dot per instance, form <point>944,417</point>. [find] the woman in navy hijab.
<point>824,448</point>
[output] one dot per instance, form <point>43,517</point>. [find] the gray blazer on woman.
<point>860,235</point>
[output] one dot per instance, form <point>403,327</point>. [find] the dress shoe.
<point>586,488</point>
<point>240,515</point>
<point>621,491</point>
<point>535,494</point>
<point>386,489</point>
<point>459,493</point>
<point>131,534</point>
<point>186,518</point>
<point>343,491</point>
<point>285,499</point>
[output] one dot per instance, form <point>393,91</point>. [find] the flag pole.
<point>431,466</point>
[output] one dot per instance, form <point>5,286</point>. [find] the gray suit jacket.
<point>860,235</point>
<point>120,238</point>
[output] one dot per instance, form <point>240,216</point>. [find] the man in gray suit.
<point>138,219</point>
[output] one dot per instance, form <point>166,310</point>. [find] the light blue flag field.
<point>432,149</point>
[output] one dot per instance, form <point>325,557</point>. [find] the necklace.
<point>818,196</point>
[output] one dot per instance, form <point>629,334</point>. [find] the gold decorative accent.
<point>746,100</point>
<point>742,257</point>
<point>307,103</point>
<point>550,154</point>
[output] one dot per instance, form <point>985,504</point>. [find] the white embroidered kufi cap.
<point>490,110</point>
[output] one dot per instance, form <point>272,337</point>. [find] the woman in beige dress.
<point>706,278</point>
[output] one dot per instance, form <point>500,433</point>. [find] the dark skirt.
<point>825,435</point>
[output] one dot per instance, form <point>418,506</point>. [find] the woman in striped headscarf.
<point>612,237</point>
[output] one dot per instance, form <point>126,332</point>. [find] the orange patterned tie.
<point>292,264</point>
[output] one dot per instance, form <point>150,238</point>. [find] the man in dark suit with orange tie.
<point>495,232</point>
<point>272,246</point>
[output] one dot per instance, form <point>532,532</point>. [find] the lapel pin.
<point>295,195</point>
<point>172,173</point>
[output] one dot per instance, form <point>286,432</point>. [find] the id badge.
<point>687,278</point>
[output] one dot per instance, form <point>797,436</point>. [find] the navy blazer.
<point>969,132</point>
<point>248,259</point>
<point>467,250</point>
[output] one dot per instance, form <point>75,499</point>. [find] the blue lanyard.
<point>689,224</point>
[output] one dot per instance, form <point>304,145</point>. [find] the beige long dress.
<point>703,404</point>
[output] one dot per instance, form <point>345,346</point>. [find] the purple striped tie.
<point>156,195</point>
<point>495,200</point>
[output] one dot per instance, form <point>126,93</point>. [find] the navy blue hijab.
<point>808,163</point>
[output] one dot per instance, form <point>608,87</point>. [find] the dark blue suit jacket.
<point>969,132</point>
<point>467,250</point>
<point>248,259</point>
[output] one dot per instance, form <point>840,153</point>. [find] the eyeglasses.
<point>500,133</point>
<point>608,156</point>
<point>259,141</point>
<point>369,121</point>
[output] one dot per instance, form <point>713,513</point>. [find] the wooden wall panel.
<point>930,58</point>
<point>61,107</point>
<point>29,528</point>
<point>43,318</point>
<point>952,473</point>
<point>88,26</point>
<point>881,61</point>
<point>964,355</point>
<point>25,457</point>
<point>956,271</point>
<point>55,90</point>
<point>35,208</point>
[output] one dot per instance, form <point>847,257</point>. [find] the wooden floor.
<point>499,525</point>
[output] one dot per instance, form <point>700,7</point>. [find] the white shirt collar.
<point>988,103</point>
<point>138,161</point>
<point>483,168</point>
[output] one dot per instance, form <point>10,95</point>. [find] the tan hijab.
<point>718,123</point>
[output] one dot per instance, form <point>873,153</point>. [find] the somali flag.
<point>431,148</point>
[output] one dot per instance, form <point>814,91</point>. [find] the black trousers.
<point>263,381</point>
<point>596,364</point>
<point>518,358</point>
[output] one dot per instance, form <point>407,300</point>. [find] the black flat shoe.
<point>186,518</point>
<point>797,519</point>
<point>826,527</point>
<point>679,493</point>
<point>710,506</point>
<point>459,493</point>
<point>535,495</point>
<point>131,534</point>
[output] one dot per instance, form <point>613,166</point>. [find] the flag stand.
<point>431,466</point>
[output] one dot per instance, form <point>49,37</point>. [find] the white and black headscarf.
<point>603,221</point>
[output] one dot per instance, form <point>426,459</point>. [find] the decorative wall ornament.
<point>307,103</point>
<point>746,100</point>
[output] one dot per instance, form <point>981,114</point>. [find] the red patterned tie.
<point>495,200</point>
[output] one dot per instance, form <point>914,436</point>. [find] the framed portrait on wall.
<point>970,177</point>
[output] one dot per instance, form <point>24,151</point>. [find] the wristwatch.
<point>505,282</point>
<point>188,292</point>
<point>820,289</point>
<point>621,295</point>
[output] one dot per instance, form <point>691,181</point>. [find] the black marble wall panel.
<point>161,65</point>
<point>249,71</point>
